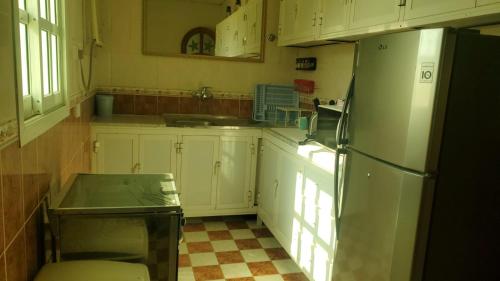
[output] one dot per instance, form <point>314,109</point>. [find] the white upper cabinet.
<point>252,25</point>
<point>334,16</point>
<point>288,15</point>
<point>116,154</point>
<point>199,166</point>
<point>239,35</point>
<point>307,19</point>
<point>486,2</point>
<point>423,8</point>
<point>235,173</point>
<point>157,154</point>
<point>366,13</point>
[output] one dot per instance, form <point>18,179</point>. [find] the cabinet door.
<point>318,220</point>
<point>117,153</point>
<point>219,39</point>
<point>268,181</point>
<point>157,154</point>
<point>253,27</point>
<point>422,8</point>
<point>289,195</point>
<point>235,186</point>
<point>307,20</point>
<point>486,2</point>
<point>198,172</point>
<point>365,13</point>
<point>288,16</point>
<point>334,16</point>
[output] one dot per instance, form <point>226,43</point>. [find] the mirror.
<point>213,29</point>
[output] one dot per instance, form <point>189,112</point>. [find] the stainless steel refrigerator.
<point>420,133</point>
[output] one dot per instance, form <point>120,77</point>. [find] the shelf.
<point>337,108</point>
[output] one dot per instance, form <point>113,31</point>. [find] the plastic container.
<point>269,97</point>
<point>104,105</point>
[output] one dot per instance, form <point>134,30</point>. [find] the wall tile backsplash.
<point>27,174</point>
<point>153,102</point>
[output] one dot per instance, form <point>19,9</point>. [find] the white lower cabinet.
<point>116,153</point>
<point>214,170</point>
<point>288,195</point>
<point>198,180</point>
<point>268,181</point>
<point>296,203</point>
<point>157,154</point>
<point>236,177</point>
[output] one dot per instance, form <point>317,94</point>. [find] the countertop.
<point>291,136</point>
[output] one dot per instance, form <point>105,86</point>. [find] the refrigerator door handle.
<point>341,135</point>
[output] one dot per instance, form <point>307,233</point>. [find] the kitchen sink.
<point>190,123</point>
<point>178,120</point>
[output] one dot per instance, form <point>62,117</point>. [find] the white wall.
<point>7,69</point>
<point>334,72</point>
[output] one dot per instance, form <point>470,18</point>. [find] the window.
<point>40,63</point>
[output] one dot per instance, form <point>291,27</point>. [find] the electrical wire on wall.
<point>87,82</point>
<point>95,42</point>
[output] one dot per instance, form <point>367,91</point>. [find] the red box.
<point>304,86</point>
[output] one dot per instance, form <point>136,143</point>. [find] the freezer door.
<point>379,222</point>
<point>392,108</point>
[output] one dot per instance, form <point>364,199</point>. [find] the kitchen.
<point>228,170</point>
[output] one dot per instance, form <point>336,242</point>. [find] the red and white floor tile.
<point>233,248</point>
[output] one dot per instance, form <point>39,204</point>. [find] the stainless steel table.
<point>131,218</point>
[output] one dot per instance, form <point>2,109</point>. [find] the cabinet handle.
<point>276,184</point>
<point>216,167</point>
<point>178,147</point>
<point>321,20</point>
<point>250,195</point>
<point>96,146</point>
<point>136,168</point>
<point>314,20</point>
<point>402,3</point>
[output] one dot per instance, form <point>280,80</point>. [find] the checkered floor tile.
<point>233,248</point>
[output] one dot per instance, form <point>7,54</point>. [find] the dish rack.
<point>268,98</point>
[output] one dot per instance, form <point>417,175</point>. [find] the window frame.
<point>37,113</point>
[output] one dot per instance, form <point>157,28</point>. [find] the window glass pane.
<point>53,14</point>
<point>55,68</point>
<point>43,9</point>
<point>45,63</point>
<point>22,5</point>
<point>23,35</point>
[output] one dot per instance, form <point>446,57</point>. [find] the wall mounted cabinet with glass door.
<point>40,60</point>
<point>424,8</point>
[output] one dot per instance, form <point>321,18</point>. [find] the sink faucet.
<point>203,93</point>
